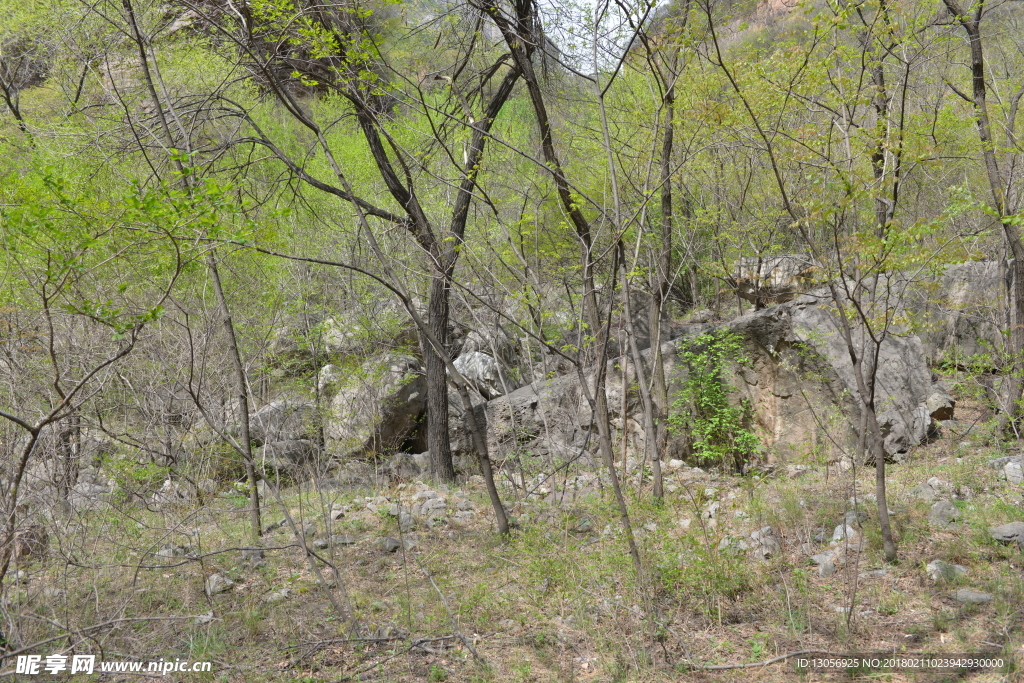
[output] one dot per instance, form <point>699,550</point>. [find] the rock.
<point>929,490</point>
<point>204,619</point>
<point>826,568</point>
<point>942,571</point>
<point>943,514</point>
<point>379,408</point>
<point>507,624</point>
<point>674,464</point>
<point>854,517</point>
<point>218,583</point>
<point>391,545</point>
<point>794,471</point>
<point>288,456</point>
<point>961,311</point>
<point>328,380</point>
<point>839,553</point>
<point>283,420</point>
<point>1000,463</point>
<point>405,521</point>
<point>252,555</point>
<point>408,467</point>
<point>770,280</point>
<point>842,532</point>
<point>173,551</point>
<point>85,495</point>
<point>764,543</point>
<point>1013,472</point>
<point>491,341</point>
<point>789,342</point>
<point>21,577</point>
<point>277,596</point>
<point>1008,533</point>
<point>874,574</point>
<point>321,544</point>
<point>172,493</point>
<point>342,539</point>
<point>967,596</point>
<point>484,373</point>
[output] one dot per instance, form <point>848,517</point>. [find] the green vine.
<point>716,429</point>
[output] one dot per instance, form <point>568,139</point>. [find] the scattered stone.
<point>391,545</point>
<point>826,568</point>
<point>51,593</point>
<point>507,624</point>
<point>275,526</point>
<point>967,596</point>
<point>1000,463</point>
<point>730,544</point>
<point>821,537</point>
<point>855,517</point>
<point>405,521</point>
<point>764,543</point>
<point>1013,472</point>
<point>843,532</point>
<point>929,490</point>
<point>1008,533</point>
<point>218,583</point>
<point>337,513</point>
<point>794,471</point>
<point>21,577</point>
<point>940,570</point>
<point>342,539</point>
<point>321,544</point>
<point>874,574</point>
<point>674,464</point>
<point>277,596</point>
<point>252,554</point>
<point>943,514</point>
<point>205,618</point>
<point>172,551</point>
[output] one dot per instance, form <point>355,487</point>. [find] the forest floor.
<point>559,600</point>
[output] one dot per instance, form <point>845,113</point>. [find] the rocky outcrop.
<point>800,385</point>
<point>484,373</point>
<point>804,391</point>
<point>283,420</point>
<point>773,279</point>
<point>287,456</point>
<point>960,313</point>
<point>379,407</point>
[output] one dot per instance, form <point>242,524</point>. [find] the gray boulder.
<point>379,408</point>
<point>943,514</point>
<point>773,279</point>
<point>484,373</point>
<point>408,466</point>
<point>1008,533</point>
<point>962,311</point>
<point>283,420</point>
<point>218,583</point>
<point>492,341</point>
<point>940,570</point>
<point>968,596</point>
<point>288,456</point>
<point>803,388</point>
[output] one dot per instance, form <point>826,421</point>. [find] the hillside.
<point>516,341</point>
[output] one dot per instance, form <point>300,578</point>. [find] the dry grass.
<point>558,601</point>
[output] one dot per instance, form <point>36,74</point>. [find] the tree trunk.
<point>437,382</point>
